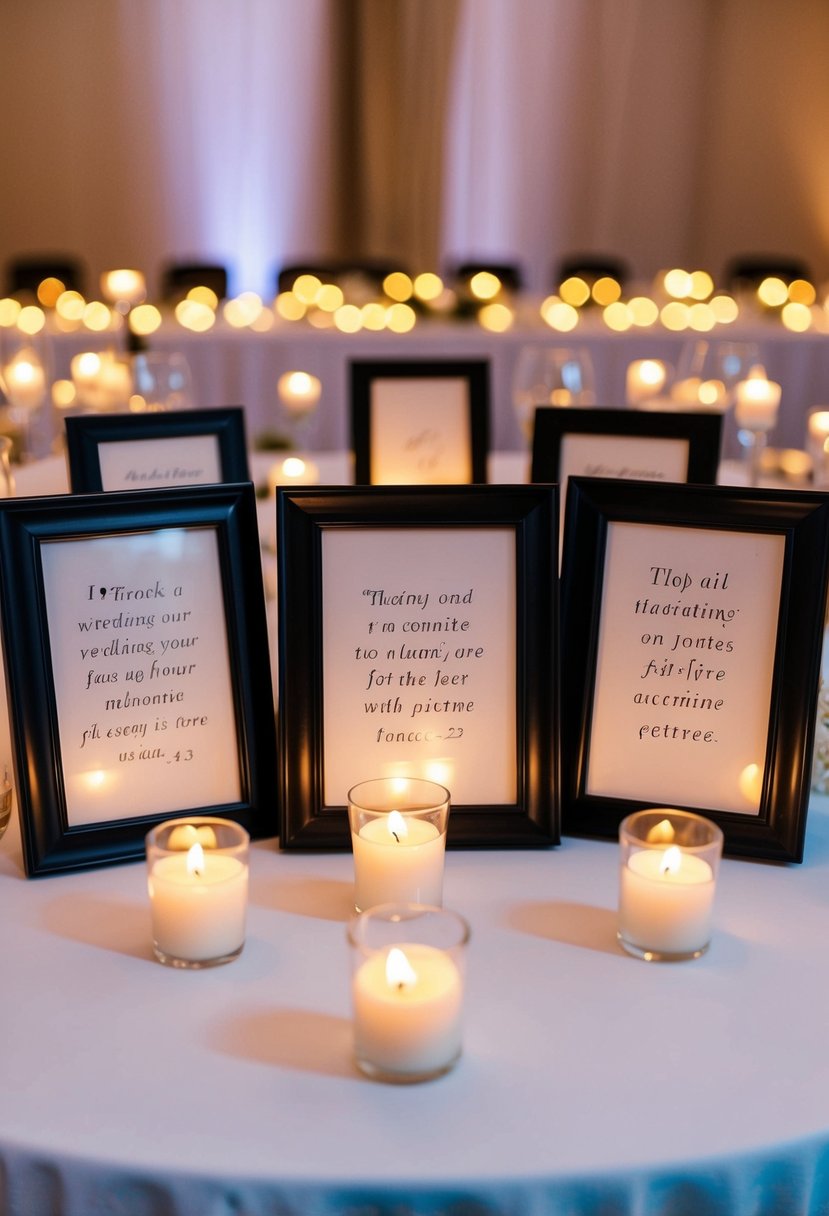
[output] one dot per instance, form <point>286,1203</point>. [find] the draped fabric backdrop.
<point>259,132</point>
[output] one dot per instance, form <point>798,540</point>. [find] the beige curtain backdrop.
<point>261,131</point>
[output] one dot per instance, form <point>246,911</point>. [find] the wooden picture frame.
<point>156,450</point>
<point>352,564</point>
<point>420,422</point>
<point>134,636</point>
<point>692,629</point>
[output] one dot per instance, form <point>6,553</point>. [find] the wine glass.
<point>550,376</point>
<point>160,382</point>
<point>708,372</point>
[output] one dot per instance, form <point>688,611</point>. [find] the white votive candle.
<point>407,990</point>
<point>667,882</point>
<point>398,836</point>
<point>757,403</point>
<point>645,378</point>
<point>198,893</point>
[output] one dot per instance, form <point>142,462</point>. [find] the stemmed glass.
<point>160,382</point>
<point>550,376</point>
<point>709,371</point>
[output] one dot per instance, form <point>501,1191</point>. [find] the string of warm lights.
<point>677,300</point>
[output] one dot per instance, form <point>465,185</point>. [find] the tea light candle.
<point>123,286</point>
<point>293,471</point>
<point>667,884</point>
<point>198,886</point>
<point>757,402</point>
<point>25,381</point>
<point>407,990</point>
<point>407,1010</point>
<point>299,392</point>
<point>645,378</point>
<point>399,846</point>
<point>101,381</point>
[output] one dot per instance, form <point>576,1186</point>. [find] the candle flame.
<point>195,860</point>
<point>661,833</point>
<point>399,972</point>
<point>397,826</point>
<point>671,861</point>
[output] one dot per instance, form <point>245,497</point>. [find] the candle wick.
<point>400,985</point>
<point>397,838</point>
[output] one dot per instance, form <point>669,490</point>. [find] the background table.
<point>240,367</point>
<point>590,1082</point>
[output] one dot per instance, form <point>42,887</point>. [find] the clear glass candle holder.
<point>817,444</point>
<point>407,990</point>
<point>398,836</point>
<point>197,877</point>
<point>6,800</point>
<point>668,867</point>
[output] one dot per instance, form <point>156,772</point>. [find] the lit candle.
<point>817,440</point>
<point>299,392</point>
<point>757,402</point>
<point>102,382</point>
<point>123,286</point>
<point>398,849</point>
<point>25,381</point>
<point>407,990</point>
<point>667,884</point>
<point>293,470</point>
<point>198,891</point>
<point>407,1010</point>
<point>645,378</point>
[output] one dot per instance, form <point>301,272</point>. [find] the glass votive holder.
<point>398,836</point>
<point>667,879</point>
<point>407,990</point>
<point>817,444</point>
<point>197,876</point>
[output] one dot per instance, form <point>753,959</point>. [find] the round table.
<point>590,1082</point>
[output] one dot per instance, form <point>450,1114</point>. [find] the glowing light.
<point>306,288</point>
<point>773,292</point>
<point>195,860</point>
<point>289,306</point>
<point>264,322</point>
<point>318,319</point>
<point>204,295</point>
<point>661,833</point>
<point>86,365</point>
<point>643,311</point>
<point>675,316</point>
<point>401,318</point>
<point>145,319</point>
<point>428,287</point>
<point>49,291</point>
<point>31,319</point>
<point>701,318</point>
<point>712,393</point>
<point>124,286</point>
<point>396,825</point>
<point>349,320</point>
<point>398,286</point>
<point>574,291</point>
<point>701,285</point>
<point>497,318</point>
<point>751,783</point>
<point>242,310</point>
<point>63,394</point>
<point>802,292</point>
<point>606,291</point>
<point>617,316</point>
<point>484,285</point>
<point>298,391</point>
<point>330,297</point>
<point>678,283</point>
<point>9,312</point>
<point>399,971</point>
<point>97,317</point>
<point>559,315</point>
<point>194,316</point>
<point>796,317</point>
<point>725,309</point>
<point>374,315</point>
<point>70,306</point>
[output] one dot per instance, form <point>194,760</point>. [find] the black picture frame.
<point>86,432</point>
<point>304,517</point>
<point>776,830</point>
<point>474,373</point>
<point>32,534</point>
<point>701,429</point>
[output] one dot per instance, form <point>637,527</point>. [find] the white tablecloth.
<point>590,1082</point>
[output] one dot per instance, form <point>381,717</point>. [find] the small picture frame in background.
<point>418,638</point>
<point>420,423</point>
<point>156,450</point>
<point>634,445</point>
<point>135,646</point>
<point>692,630</point>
